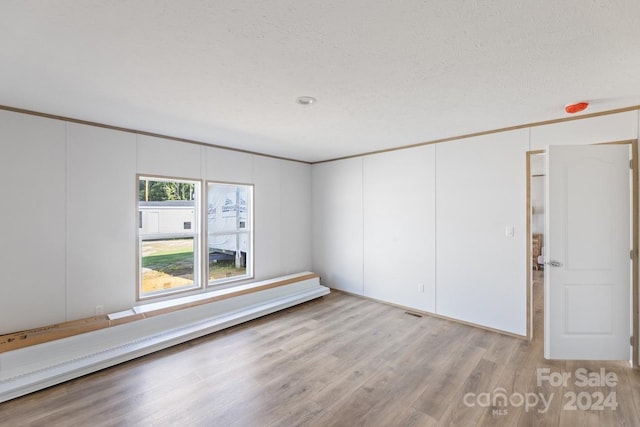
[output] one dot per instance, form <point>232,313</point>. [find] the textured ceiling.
<point>385,73</point>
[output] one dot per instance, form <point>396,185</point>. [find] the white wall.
<point>479,189</point>
<point>337,222</point>
<point>387,224</point>
<point>69,210</point>
<point>33,212</point>
<point>295,217</point>
<point>399,227</point>
<point>268,222</point>
<point>101,193</point>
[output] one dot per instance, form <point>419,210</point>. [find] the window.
<point>172,255</point>
<point>229,232</point>
<point>168,244</point>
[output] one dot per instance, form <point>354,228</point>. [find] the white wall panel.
<point>399,227</point>
<point>32,209</point>
<point>613,127</point>
<point>228,166</point>
<point>101,257</point>
<point>159,156</point>
<point>480,191</point>
<point>337,222</point>
<point>330,216</point>
<point>295,213</point>
<point>267,222</point>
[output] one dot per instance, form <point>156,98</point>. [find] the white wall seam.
<point>362,223</point>
<point>66,221</point>
<point>280,210</point>
<point>435,229</point>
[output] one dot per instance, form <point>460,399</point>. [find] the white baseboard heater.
<point>33,368</point>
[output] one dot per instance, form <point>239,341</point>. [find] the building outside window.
<point>229,232</point>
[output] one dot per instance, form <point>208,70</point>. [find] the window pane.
<point>229,231</point>
<point>228,207</point>
<point>168,215</point>
<point>228,255</point>
<point>167,264</point>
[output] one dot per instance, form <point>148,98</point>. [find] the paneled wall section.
<point>337,224</point>
<point>33,232</point>
<point>399,227</point>
<point>69,214</point>
<point>439,218</point>
<point>480,198</point>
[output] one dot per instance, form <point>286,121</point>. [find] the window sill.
<point>180,303</point>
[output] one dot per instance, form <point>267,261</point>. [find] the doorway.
<point>536,211</point>
<point>535,232</point>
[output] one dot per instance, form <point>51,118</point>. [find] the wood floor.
<point>337,361</point>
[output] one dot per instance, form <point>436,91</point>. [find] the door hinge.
<point>631,340</point>
<point>631,254</point>
<point>631,164</point>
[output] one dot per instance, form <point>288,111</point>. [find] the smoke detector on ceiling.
<point>306,100</point>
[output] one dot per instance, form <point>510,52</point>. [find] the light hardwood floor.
<point>336,361</point>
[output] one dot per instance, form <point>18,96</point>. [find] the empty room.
<point>289,213</point>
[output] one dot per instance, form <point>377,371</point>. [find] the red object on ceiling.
<point>576,108</point>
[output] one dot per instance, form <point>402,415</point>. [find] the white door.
<point>587,242</point>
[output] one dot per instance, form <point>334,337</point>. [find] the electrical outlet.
<point>99,310</point>
<point>421,287</point>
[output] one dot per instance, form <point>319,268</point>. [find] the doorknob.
<point>554,263</point>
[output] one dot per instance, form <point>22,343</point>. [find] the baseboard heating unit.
<point>35,367</point>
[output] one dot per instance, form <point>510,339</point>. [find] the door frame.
<point>634,239</point>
